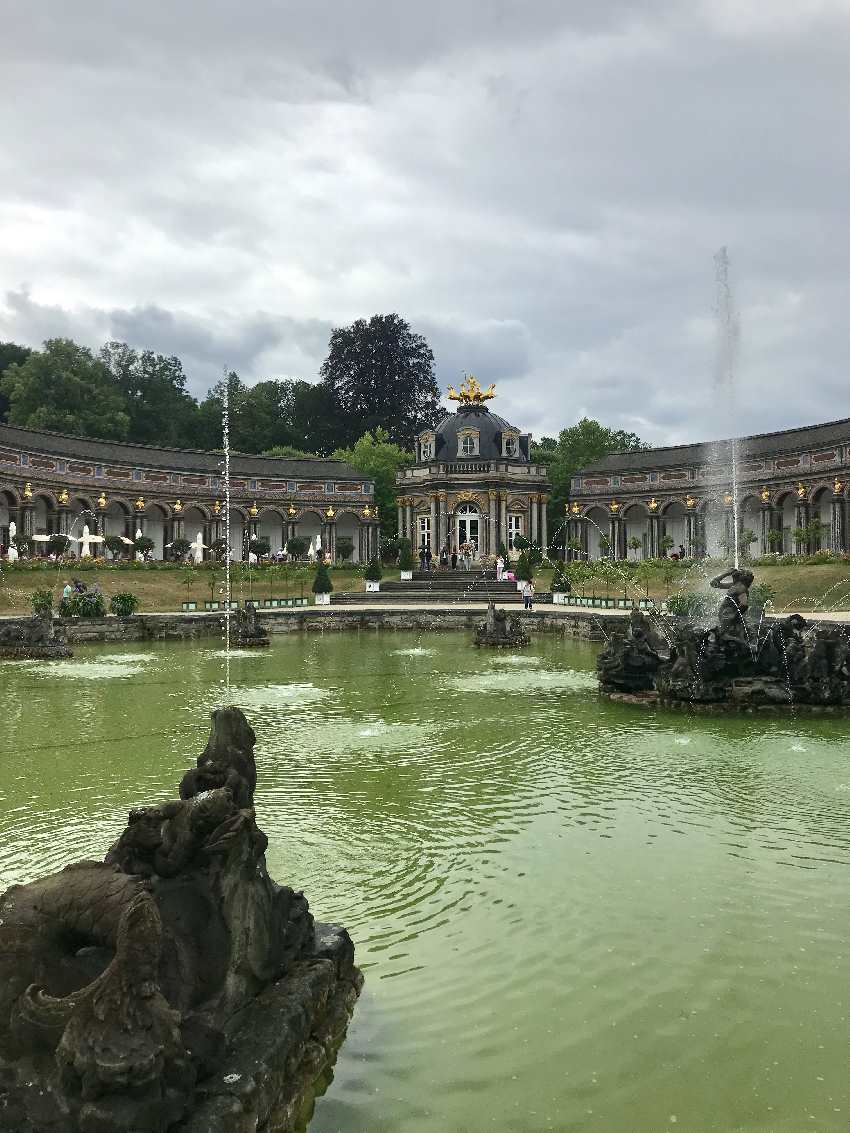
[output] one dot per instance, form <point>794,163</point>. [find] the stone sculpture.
<point>173,985</point>
<point>501,630</point>
<point>245,628</point>
<point>31,639</point>
<point>731,663</point>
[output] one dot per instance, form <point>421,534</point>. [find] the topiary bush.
<point>123,605</point>
<point>115,545</point>
<point>58,545</point>
<point>259,546</point>
<point>297,547</point>
<point>179,548</point>
<point>344,547</point>
<point>405,555</point>
<point>42,602</point>
<point>322,580</point>
<point>373,572</point>
<point>143,545</point>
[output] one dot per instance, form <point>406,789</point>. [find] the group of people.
<point>463,557</point>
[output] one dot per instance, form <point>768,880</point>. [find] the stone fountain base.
<point>283,1044</point>
<point>652,699</point>
<point>32,640</point>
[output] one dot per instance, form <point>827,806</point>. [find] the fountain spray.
<point>728,334</point>
<point>225,430</point>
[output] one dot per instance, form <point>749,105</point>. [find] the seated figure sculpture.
<point>245,630</point>
<point>501,630</point>
<point>125,984</point>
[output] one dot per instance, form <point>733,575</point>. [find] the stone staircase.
<point>444,586</point>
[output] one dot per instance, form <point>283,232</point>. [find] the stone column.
<point>503,518</point>
<point>408,522</point>
<point>64,520</point>
<point>400,503</point>
<point>176,527</point>
<point>544,524</point>
<point>27,523</point>
<point>838,524</point>
<point>433,535</point>
<point>582,534</point>
<point>654,535</point>
<point>801,519</point>
<point>767,514</point>
<point>615,537</point>
<point>532,518</point>
<point>493,525</point>
<point>444,522</point>
<point>690,533</point>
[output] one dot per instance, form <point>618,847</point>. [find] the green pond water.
<point>571,915</point>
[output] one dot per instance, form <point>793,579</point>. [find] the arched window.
<point>467,509</point>
<point>468,446</point>
<point>510,446</point>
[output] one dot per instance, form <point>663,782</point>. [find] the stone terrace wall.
<point>175,627</point>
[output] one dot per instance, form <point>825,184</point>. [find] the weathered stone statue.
<point>245,628</point>
<point>173,985</point>
<point>733,662</point>
<point>501,630</point>
<point>28,639</point>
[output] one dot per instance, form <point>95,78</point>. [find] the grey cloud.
<point>537,188</point>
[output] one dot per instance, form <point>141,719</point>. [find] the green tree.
<point>161,409</point>
<point>381,374</point>
<point>375,455</point>
<point>10,354</point>
<point>575,447</point>
<point>65,388</point>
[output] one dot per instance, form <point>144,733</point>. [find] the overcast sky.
<point>538,186</point>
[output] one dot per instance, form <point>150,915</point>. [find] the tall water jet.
<point>225,430</point>
<point>728,336</point>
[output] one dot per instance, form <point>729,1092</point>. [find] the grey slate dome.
<point>490,429</point>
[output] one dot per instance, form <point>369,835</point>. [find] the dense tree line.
<point>378,375</point>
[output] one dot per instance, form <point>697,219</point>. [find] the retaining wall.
<point>175,627</point>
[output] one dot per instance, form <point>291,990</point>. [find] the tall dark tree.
<point>11,354</point>
<point>65,388</point>
<point>380,374</point>
<point>161,409</point>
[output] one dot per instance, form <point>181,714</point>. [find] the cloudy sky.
<point>538,186</point>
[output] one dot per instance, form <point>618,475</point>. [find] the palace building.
<point>473,481</point>
<point>51,483</point>
<point>791,483</point>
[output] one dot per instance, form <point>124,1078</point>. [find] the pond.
<point>571,915</point>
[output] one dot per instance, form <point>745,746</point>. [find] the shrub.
<point>259,545</point>
<point>373,572</point>
<point>124,604</point>
<point>691,604</point>
<point>115,545</point>
<point>42,602</point>
<point>219,549</point>
<point>297,547</point>
<point>89,604</point>
<point>23,544</point>
<point>405,555</point>
<point>179,548</point>
<point>560,580</point>
<point>344,547</point>
<point>143,545</point>
<point>389,550</point>
<point>761,595</point>
<point>58,544</point>
<point>322,580</point>
<point>523,570</point>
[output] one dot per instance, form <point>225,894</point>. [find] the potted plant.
<point>296,547</point>
<point>259,545</point>
<point>322,585</point>
<point>405,560</point>
<point>523,571</point>
<point>24,545</point>
<point>774,540</point>
<point>344,547</point>
<point>57,545</point>
<point>560,586</point>
<point>179,549</point>
<point>123,605</point>
<point>635,544</point>
<point>143,546</point>
<point>115,545</point>
<point>664,544</point>
<point>373,575</point>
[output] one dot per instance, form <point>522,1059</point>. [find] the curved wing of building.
<point>680,499</point>
<point>53,483</point>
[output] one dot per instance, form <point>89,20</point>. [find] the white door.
<point>467,530</point>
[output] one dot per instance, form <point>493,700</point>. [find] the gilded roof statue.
<point>470,392</point>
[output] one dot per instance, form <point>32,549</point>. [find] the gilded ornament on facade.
<point>765,495</point>
<point>837,487</point>
<point>178,506</point>
<point>728,499</point>
<point>28,490</point>
<point>802,491</point>
<point>653,504</point>
<point>63,496</point>
<point>140,504</point>
<point>470,392</point>
<point>101,501</point>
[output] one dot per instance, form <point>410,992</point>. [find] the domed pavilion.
<point>473,481</point>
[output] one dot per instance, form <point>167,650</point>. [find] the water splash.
<point>728,337</point>
<point>225,438</point>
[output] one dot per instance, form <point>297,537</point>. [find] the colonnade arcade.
<point>37,511</point>
<point>790,520</point>
<point>485,519</point>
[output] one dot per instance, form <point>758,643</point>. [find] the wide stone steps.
<point>416,595</point>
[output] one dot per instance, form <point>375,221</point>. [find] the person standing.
<point>500,568</point>
<point>528,594</point>
<point>444,557</point>
<point>428,556</point>
<point>454,559</point>
<point>422,557</point>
